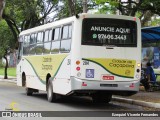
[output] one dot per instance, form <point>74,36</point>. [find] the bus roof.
<point>70,19</point>
<point>47,26</point>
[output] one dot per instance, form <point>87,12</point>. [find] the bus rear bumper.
<point>115,87</point>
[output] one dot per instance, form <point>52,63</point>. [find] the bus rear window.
<point>106,31</point>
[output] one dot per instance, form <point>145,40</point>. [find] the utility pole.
<point>84,6</point>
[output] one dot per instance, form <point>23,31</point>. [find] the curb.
<point>12,81</point>
<point>136,102</point>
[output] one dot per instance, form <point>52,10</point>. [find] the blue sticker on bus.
<point>89,73</point>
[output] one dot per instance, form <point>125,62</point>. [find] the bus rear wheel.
<point>101,98</point>
<point>52,97</point>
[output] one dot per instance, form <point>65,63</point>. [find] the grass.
<point>10,71</point>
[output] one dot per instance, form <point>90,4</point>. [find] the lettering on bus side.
<point>114,33</point>
<point>122,63</point>
<point>46,67</point>
<point>47,63</point>
<point>47,59</point>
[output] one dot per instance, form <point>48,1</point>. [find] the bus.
<point>94,55</point>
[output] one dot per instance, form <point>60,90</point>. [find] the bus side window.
<point>32,44</point>
<point>50,35</point>
<point>55,40</point>
<point>70,31</point>
<point>46,36</point>
<point>39,47</point>
<point>20,50</point>
<point>26,45</point>
<point>20,47</point>
<point>66,38</point>
<point>65,32</point>
<point>47,41</point>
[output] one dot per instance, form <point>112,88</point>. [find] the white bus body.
<point>96,55</point>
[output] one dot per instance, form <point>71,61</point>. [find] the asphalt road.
<point>13,97</point>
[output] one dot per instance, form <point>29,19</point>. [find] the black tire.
<point>52,97</point>
<point>23,80</point>
<point>101,98</point>
<point>29,91</point>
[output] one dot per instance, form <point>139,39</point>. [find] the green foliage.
<point>155,22</point>
<point>107,6</point>
<point>24,14</point>
<point>1,65</point>
<point>144,9</point>
<point>78,7</point>
<point>64,10</point>
<point>28,13</point>
<point>6,39</point>
<point>39,49</point>
<point>55,50</point>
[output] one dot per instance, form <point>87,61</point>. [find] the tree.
<point>155,21</point>
<point>85,6</point>
<point>144,9</point>
<point>7,43</point>
<point>20,15</point>
<point>69,8</point>
<point>2,4</point>
<point>73,7</point>
<point>24,14</point>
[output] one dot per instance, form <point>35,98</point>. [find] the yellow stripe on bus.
<point>119,67</point>
<point>42,65</point>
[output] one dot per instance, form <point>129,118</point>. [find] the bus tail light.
<point>138,64</point>
<point>84,84</point>
<point>132,85</point>
<point>78,68</point>
<point>78,62</point>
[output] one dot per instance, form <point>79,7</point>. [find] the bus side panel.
<point>18,74</point>
<point>61,82</point>
<point>37,68</point>
<point>76,47</point>
<point>32,79</point>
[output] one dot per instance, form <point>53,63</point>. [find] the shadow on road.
<point>79,102</point>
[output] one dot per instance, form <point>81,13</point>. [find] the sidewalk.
<point>10,79</point>
<point>142,98</point>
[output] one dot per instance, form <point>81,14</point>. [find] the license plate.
<point>107,77</point>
